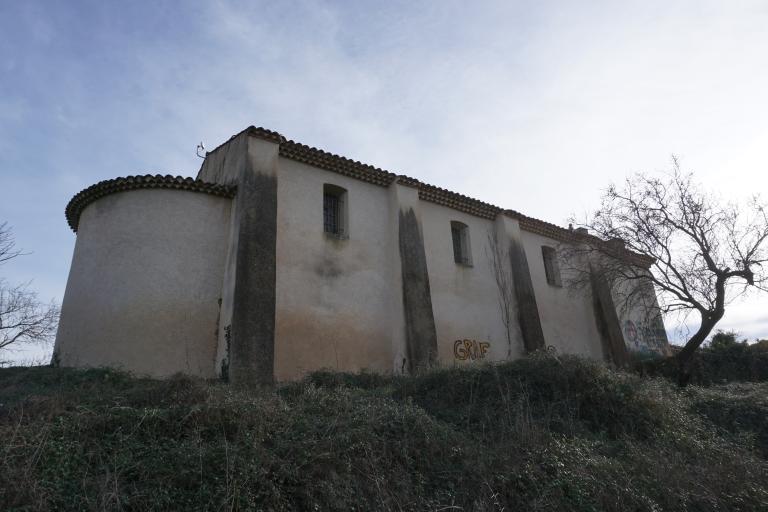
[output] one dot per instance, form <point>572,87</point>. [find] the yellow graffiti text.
<point>464,350</point>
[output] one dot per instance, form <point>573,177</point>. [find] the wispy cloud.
<point>534,106</point>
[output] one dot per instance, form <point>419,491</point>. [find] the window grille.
<point>334,213</point>
<point>551,266</point>
<point>331,213</point>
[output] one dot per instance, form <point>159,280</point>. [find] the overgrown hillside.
<point>542,433</point>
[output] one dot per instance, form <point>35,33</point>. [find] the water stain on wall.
<point>307,340</point>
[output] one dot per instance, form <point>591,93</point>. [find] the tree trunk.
<point>685,356</point>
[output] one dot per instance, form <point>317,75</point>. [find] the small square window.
<point>335,211</point>
<point>551,266</point>
<point>460,237</point>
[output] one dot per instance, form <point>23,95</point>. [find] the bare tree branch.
<point>698,253</point>
<point>23,318</point>
<point>8,249</point>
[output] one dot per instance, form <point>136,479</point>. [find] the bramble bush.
<point>540,433</point>
<point>723,360</point>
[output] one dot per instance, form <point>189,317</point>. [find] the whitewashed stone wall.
<point>251,289</point>
<point>145,282</point>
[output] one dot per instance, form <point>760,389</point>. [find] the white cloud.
<point>534,106</point>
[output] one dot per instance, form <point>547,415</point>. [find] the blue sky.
<point>535,106</point>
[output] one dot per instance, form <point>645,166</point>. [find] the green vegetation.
<point>724,359</point>
<point>541,433</point>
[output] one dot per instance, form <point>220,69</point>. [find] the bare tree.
<point>8,249</point>
<point>23,317</point>
<point>698,253</point>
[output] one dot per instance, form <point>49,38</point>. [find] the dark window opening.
<point>551,266</point>
<point>334,211</point>
<point>460,236</point>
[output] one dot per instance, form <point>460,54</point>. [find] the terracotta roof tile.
<point>265,134</point>
<point>342,165</point>
<point>253,131</point>
<point>330,162</point>
<point>457,201</point>
<point>85,197</point>
<point>354,169</point>
<point>553,231</point>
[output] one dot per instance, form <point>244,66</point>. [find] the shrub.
<point>724,360</point>
<point>541,433</point>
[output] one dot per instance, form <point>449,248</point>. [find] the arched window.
<point>461,248</point>
<point>335,211</point>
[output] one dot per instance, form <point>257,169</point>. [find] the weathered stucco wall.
<point>567,317</point>
<point>225,166</point>
<point>227,163</point>
<point>640,318</point>
<point>334,296</point>
<point>144,284</point>
<point>465,298</point>
<point>245,352</point>
<point>252,289</point>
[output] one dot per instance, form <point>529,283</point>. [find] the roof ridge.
<point>255,131</point>
<point>370,173</point>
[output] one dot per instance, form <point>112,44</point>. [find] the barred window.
<point>334,211</point>
<point>460,236</point>
<point>551,266</point>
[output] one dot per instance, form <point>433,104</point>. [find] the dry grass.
<point>536,434</point>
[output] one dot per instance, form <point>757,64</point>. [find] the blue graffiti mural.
<point>645,336</point>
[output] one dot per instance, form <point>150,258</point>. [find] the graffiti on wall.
<point>645,336</point>
<point>470,350</point>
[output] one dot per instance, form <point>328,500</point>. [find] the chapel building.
<point>280,259</point>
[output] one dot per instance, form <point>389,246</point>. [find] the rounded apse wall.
<point>145,281</point>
